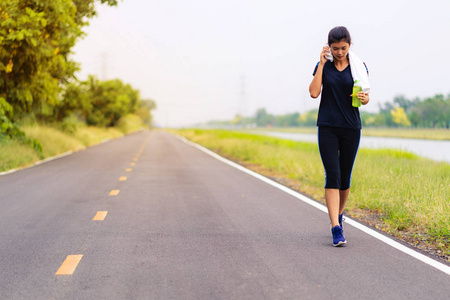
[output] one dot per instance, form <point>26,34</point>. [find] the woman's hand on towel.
<point>325,51</point>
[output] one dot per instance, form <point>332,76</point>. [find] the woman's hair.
<point>337,34</point>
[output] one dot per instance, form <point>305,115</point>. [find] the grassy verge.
<point>55,141</point>
<point>15,154</point>
<point>89,136</point>
<point>431,134</point>
<point>395,191</point>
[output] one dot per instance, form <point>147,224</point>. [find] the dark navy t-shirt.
<point>336,108</point>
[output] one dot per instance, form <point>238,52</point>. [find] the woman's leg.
<point>332,198</point>
<point>343,195</point>
<point>329,152</point>
<point>348,148</point>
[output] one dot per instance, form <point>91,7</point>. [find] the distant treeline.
<point>37,74</point>
<point>431,112</point>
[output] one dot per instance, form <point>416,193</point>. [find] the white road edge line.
<point>38,163</point>
<point>440,266</point>
<point>61,155</point>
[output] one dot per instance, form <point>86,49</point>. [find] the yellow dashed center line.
<point>100,216</point>
<point>71,262</point>
<point>69,265</point>
<point>114,192</point>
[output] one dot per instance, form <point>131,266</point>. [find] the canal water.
<point>433,149</point>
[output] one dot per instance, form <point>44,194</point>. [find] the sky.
<point>203,60</point>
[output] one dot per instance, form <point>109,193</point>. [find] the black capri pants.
<point>338,148</point>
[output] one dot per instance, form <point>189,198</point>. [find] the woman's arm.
<point>316,84</point>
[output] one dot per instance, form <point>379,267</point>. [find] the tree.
<point>75,100</point>
<point>367,118</point>
<point>237,120</point>
<point>263,118</point>
<point>399,116</point>
<point>37,38</point>
<point>288,120</point>
<point>432,112</point>
<point>384,117</point>
<point>144,109</point>
<point>308,118</point>
<point>405,103</point>
<point>101,103</point>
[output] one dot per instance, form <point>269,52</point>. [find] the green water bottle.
<point>356,89</point>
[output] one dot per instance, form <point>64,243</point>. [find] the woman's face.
<point>340,50</point>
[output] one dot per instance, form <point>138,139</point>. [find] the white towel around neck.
<point>359,71</point>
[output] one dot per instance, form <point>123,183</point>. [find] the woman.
<point>339,124</point>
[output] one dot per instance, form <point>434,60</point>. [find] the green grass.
<point>432,134</point>
<point>89,136</point>
<point>411,194</point>
<point>15,154</point>
<point>54,141</point>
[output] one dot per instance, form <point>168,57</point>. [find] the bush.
<point>129,123</point>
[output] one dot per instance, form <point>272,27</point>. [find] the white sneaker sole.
<point>339,244</point>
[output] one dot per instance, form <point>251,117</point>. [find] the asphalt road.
<point>183,225</point>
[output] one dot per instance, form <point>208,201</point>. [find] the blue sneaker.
<point>338,236</point>
<point>341,219</point>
